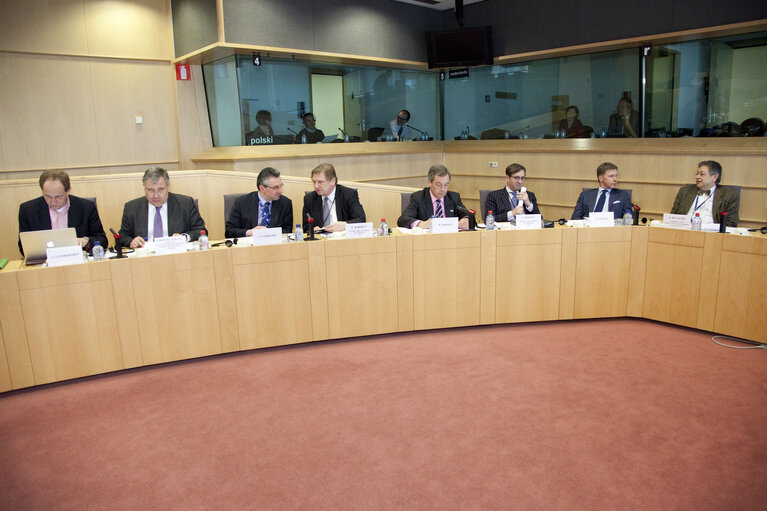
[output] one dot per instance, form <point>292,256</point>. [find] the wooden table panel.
<point>742,295</point>
<point>672,282</point>
<point>17,372</point>
<point>602,272</point>
<point>362,286</point>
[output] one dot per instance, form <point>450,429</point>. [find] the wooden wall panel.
<point>43,26</point>
<point>138,29</point>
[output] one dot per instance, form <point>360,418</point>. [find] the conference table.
<point>67,322</point>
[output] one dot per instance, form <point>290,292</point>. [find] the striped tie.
<point>266,214</point>
<point>438,210</point>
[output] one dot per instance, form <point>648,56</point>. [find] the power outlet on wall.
<point>493,164</point>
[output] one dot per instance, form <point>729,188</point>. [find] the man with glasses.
<point>708,196</point>
<point>264,208</point>
<point>58,209</point>
<point>511,201</point>
<point>398,128</point>
<point>313,135</point>
<point>331,205</point>
<point>606,198</point>
<point>159,213</point>
<point>433,201</point>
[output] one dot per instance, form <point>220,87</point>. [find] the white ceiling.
<point>440,5</point>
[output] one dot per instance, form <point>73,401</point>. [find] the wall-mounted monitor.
<point>460,47</point>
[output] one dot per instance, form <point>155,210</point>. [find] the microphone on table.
<point>523,190</point>
<point>635,209</point>
<point>469,213</point>
<point>310,222</point>
<point>118,245</point>
<point>723,221</point>
<point>293,132</point>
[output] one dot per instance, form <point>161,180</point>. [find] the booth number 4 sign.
<point>182,72</point>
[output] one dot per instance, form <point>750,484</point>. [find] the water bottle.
<point>346,137</point>
<point>203,240</point>
<point>507,135</point>
<point>431,224</point>
<point>603,133</point>
<point>490,221</point>
<point>628,218</point>
<point>383,229</point>
<point>303,138</point>
<point>298,234</point>
<point>696,222</point>
<point>98,251</point>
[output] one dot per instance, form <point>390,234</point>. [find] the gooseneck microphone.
<point>310,221</point>
<point>118,245</point>
<point>635,209</point>
<point>723,221</point>
<point>293,132</point>
<point>468,213</point>
<point>416,129</point>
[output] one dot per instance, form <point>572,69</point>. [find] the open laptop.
<point>34,243</point>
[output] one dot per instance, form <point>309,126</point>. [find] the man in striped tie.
<point>433,201</point>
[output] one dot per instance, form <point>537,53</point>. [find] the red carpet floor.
<point>607,414</point>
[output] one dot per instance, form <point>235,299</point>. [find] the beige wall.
<point>75,75</point>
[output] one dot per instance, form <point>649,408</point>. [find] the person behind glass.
<point>625,121</point>
<point>708,197</point>
<point>331,205</point>
<point>510,201</point>
<point>313,135</point>
<point>264,208</point>
<point>58,209</point>
<point>159,213</point>
<point>571,125</point>
<point>433,201</point>
<point>606,198</point>
<point>398,128</point>
<point>262,132</point>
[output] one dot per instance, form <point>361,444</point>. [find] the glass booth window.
<point>286,101</point>
<point>531,99</point>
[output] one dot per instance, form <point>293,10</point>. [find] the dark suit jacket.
<point>620,203</point>
<point>500,203</point>
<point>421,208</point>
<point>725,199</point>
<point>83,216</point>
<point>244,215</point>
<point>311,138</point>
<point>183,218</point>
<point>348,207</point>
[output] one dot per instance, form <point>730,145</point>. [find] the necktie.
<point>266,214</point>
<point>325,212</point>
<point>158,232</point>
<point>704,192</point>
<point>399,133</point>
<point>514,200</point>
<point>601,201</point>
<point>438,209</point>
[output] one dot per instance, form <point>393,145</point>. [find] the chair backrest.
<point>492,134</point>
<point>483,203</point>
<point>374,133</point>
<point>229,199</point>
<point>405,199</point>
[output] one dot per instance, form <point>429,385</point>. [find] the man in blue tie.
<point>510,201</point>
<point>606,198</point>
<point>264,208</point>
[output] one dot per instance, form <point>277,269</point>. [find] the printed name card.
<point>601,219</point>
<point>443,225</point>
<point>170,245</point>
<point>62,256</point>
<point>678,221</point>
<point>528,222</point>
<point>270,236</point>
<point>362,230</point>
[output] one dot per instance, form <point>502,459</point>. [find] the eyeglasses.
<point>278,187</point>
<point>518,178</point>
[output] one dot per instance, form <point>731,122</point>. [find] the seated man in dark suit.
<point>605,198</point>
<point>708,197</point>
<point>160,213</point>
<point>58,209</point>
<point>625,121</point>
<point>433,201</point>
<point>331,205</point>
<point>258,210</point>
<point>511,201</point>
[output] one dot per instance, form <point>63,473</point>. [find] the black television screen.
<point>460,47</point>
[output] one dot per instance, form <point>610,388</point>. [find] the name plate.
<point>170,245</point>
<point>362,230</point>
<point>601,219</point>
<point>443,225</point>
<point>678,221</point>
<point>270,236</point>
<point>526,222</point>
<point>63,256</point>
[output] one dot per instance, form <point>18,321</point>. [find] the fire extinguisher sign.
<point>183,72</point>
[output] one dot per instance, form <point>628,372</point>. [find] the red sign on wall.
<point>183,72</point>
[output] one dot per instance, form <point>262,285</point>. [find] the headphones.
<point>763,230</point>
<point>228,243</point>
